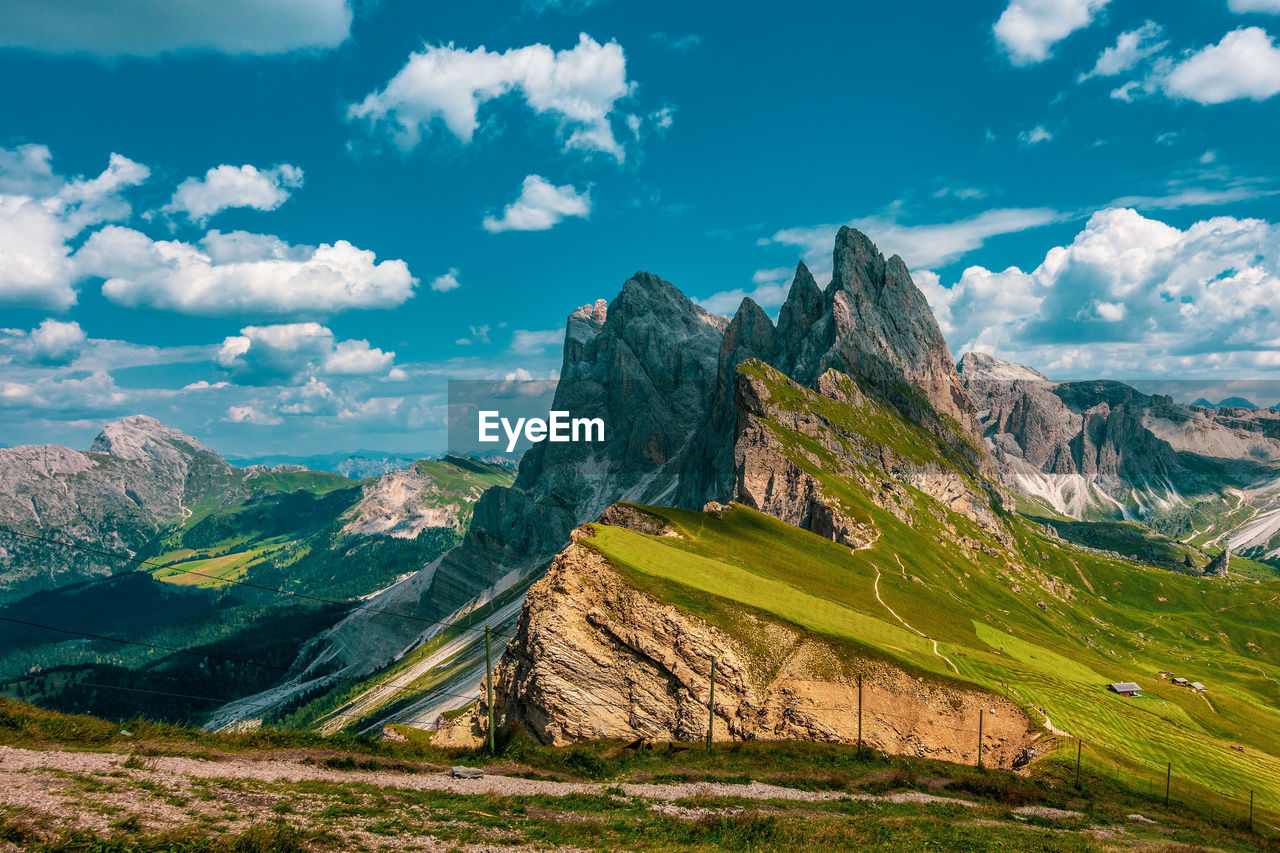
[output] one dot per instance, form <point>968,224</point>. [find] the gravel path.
<point>287,770</point>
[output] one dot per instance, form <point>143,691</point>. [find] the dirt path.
<point>14,762</point>
<point>1081,574</point>
<point>1048,724</point>
<point>941,656</point>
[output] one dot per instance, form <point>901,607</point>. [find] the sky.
<point>282,225</point>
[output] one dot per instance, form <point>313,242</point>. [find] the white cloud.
<point>53,342</point>
<point>446,282</point>
<point>71,396</point>
<point>770,291</point>
<point>578,88</point>
<point>264,355</point>
<point>1131,48</point>
<point>153,27</point>
<point>40,212</point>
<point>358,358</point>
<point>919,245</point>
<point>525,342</point>
<point>313,398</point>
<point>241,273</point>
<point>479,335</point>
<point>1266,7</point>
<point>206,385</point>
<point>1028,29</point>
<point>541,205</point>
<point>224,187</point>
<point>1034,136</point>
<point>1128,290</point>
<point>251,415</point>
<point>1244,64</point>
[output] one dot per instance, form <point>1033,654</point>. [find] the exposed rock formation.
<point>875,324</point>
<point>596,658</point>
<point>1103,448</point>
<point>1220,565</point>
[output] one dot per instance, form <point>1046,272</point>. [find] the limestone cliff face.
<point>597,658</point>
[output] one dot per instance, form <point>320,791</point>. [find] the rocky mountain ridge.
<point>1102,449</point>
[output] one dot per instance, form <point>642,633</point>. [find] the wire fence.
<point>1176,787</point>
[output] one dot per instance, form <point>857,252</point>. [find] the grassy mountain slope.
<point>1022,613</point>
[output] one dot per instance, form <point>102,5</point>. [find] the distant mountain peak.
<point>981,365</point>
<point>143,437</point>
<point>1236,403</point>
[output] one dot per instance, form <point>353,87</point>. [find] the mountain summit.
<point>875,324</point>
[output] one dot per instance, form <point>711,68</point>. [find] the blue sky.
<point>282,225</point>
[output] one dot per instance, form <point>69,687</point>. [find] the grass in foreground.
<point>367,798</point>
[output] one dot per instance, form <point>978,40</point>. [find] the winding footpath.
<point>941,656</point>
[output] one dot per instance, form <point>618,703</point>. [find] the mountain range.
<point>152,535</point>
<point>793,509</point>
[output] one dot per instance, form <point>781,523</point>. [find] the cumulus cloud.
<point>578,88</point>
<point>313,398</point>
<point>282,353</point>
<point>241,273</point>
<point>70,397</point>
<point>53,342</point>
<point>224,187</point>
<point>1131,48</point>
<point>541,205</point>
<point>446,282</point>
<point>1127,290</point>
<point>251,415</point>
<point>41,211</point>
<point>922,246</point>
<point>1027,30</point>
<point>1245,64</point>
<point>154,27</point>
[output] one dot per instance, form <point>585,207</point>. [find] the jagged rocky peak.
<point>875,324</point>
<point>140,437</point>
<point>800,312</point>
<point>986,367</point>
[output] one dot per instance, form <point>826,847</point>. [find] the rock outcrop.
<point>875,324</point>
<point>597,658</point>
<point>772,476</point>
<point>1220,565</point>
